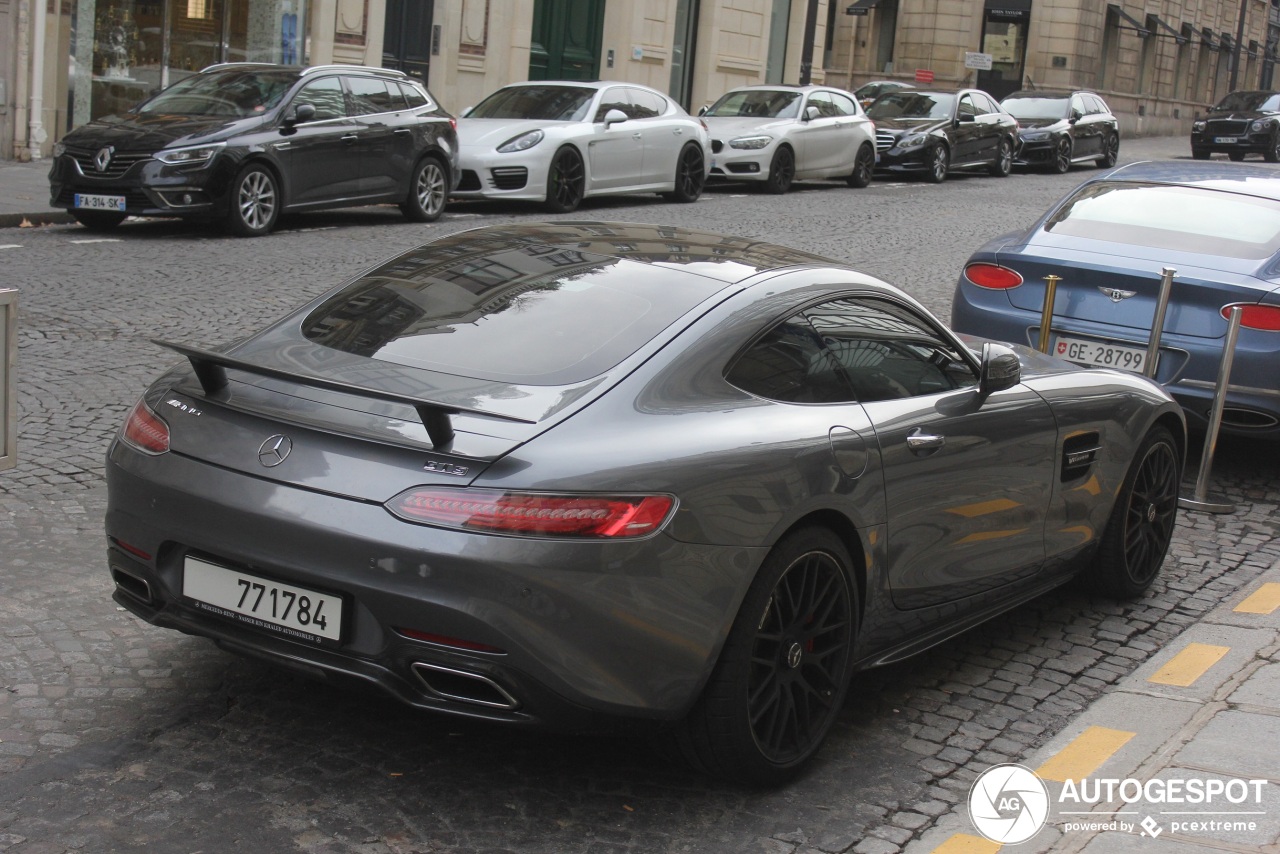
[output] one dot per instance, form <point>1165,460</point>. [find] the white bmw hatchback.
<point>774,135</point>
<point>558,142</point>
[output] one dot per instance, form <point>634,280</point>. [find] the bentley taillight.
<point>992,276</point>
<point>534,514</point>
<point>1265,318</point>
<point>145,431</point>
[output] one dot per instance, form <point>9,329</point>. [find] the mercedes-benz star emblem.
<point>275,450</point>
<point>103,158</point>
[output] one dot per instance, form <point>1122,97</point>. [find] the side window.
<point>826,108</point>
<point>645,105</point>
<point>413,96</point>
<point>1078,106</point>
<point>888,351</point>
<point>790,364</point>
<point>987,105</point>
<point>613,99</point>
<point>370,95</point>
<point>1099,105</point>
<point>326,96</point>
<point>966,107</point>
<point>844,106</point>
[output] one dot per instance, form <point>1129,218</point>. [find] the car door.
<point>967,133</point>
<point>386,142</point>
<point>967,477</point>
<point>322,155</point>
<point>849,122</point>
<point>821,139</point>
<point>990,120</point>
<point>662,135</point>
<point>1084,129</point>
<point>615,152</point>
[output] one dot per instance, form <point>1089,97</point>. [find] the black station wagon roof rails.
<point>223,66</point>
<point>210,369</point>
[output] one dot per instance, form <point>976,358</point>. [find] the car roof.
<point>1247,178</point>
<point>1047,93</point>
<point>789,87</point>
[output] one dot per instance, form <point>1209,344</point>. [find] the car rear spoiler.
<point>210,369</point>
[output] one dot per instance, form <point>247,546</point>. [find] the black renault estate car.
<point>244,142</point>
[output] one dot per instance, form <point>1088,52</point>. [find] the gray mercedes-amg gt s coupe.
<point>592,475</point>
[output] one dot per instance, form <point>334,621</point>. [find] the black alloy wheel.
<point>1062,156</point>
<point>428,192</point>
<point>785,668</point>
<point>691,175</point>
<point>782,171</point>
<point>1003,164</point>
<point>566,181</point>
<point>939,161</point>
<point>99,220</point>
<point>255,202</point>
<point>1272,154</point>
<point>864,167</point>
<point>1111,151</point>
<point>1138,533</point>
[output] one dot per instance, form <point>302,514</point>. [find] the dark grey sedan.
<point>596,476</point>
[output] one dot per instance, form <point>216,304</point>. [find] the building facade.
<point>1157,62</point>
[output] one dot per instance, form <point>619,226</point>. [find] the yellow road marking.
<point>1085,754</point>
<point>1265,601</point>
<point>963,843</point>
<point>1189,665</point>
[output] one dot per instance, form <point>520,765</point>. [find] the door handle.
<point>351,137</point>
<point>678,131</point>
<point>403,130</point>
<point>918,441</point>
<point>637,136</point>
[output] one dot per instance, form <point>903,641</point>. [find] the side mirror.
<point>1000,369</point>
<point>1076,116</point>
<point>466,112</point>
<point>702,111</point>
<point>301,113</point>
<point>811,113</point>
<point>966,118</point>
<point>613,117</point>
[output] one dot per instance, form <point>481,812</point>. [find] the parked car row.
<point>242,143</point>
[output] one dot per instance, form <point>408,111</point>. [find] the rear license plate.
<point>1226,140</point>
<point>99,203</point>
<point>1099,354</point>
<point>285,608</point>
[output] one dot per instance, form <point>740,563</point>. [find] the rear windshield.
<point>537,315</point>
<point>1035,108</point>
<point>1186,219</point>
<point>222,93</point>
<point>547,103</point>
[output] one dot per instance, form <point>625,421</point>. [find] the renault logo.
<point>103,158</point>
<point>1115,294</point>
<point>275,450</point>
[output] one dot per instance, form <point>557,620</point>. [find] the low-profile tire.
<point>1061,163</point>
<point>864,167</point>
<point>566,181</point>
<point>1235,156</point>
<point>1272,154</point>
<point>1136,539</point>
<point>1003,164</point>
<point>939,163</point>
<point>428,191</point>
<point>782,171</point>
<point>691,175</point>
<point>1199,154</point>
<point>1111,151</point>
<point>99,220</point>
<point>785,668</point>
<point>255,202</point>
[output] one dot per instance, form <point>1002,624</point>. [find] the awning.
<point>1206,38</point>
<point>860,7</point>
<point>1140,27</point>
<point>1179,37</point>
<point>1228,43</point>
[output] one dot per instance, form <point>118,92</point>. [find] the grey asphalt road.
<point>115,736</point>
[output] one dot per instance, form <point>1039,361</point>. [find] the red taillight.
<point>1262,317</point>
<point>445,640</point>
<point>534,514</point>
<point>453,123</point>
<point>131,549</point>
<point>144,430</point>
<point>992,276</point>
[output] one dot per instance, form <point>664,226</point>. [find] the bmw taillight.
<point>534,514</point>
<point>1262,317</point>
<point>992,276</point>
<point>145,430</point>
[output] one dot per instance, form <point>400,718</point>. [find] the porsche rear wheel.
<point>691,175</point>
<point>1140,527</point>
<point>782,676</point>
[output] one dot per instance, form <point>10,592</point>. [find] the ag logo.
<point>1008,804</point>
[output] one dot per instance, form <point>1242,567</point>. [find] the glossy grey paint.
<point>626,629</point>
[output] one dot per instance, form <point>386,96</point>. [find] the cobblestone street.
<point>116,736</point>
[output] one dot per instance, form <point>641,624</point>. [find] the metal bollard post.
<point>1200,501</point>
<point>8,382</point>
<point>1046,312</point>
<point>1157,328</point>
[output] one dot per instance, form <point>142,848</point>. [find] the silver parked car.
<point>773,135</point>
<point>595,475</point>
<point>560,142</point>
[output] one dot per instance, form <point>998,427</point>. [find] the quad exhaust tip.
<point>459,686</point>
<point>133,585</point>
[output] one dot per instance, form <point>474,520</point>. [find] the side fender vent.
<point>1079,453</point>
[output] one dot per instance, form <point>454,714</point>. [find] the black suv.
<point>1241,123</point>
<point>243,142</point>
